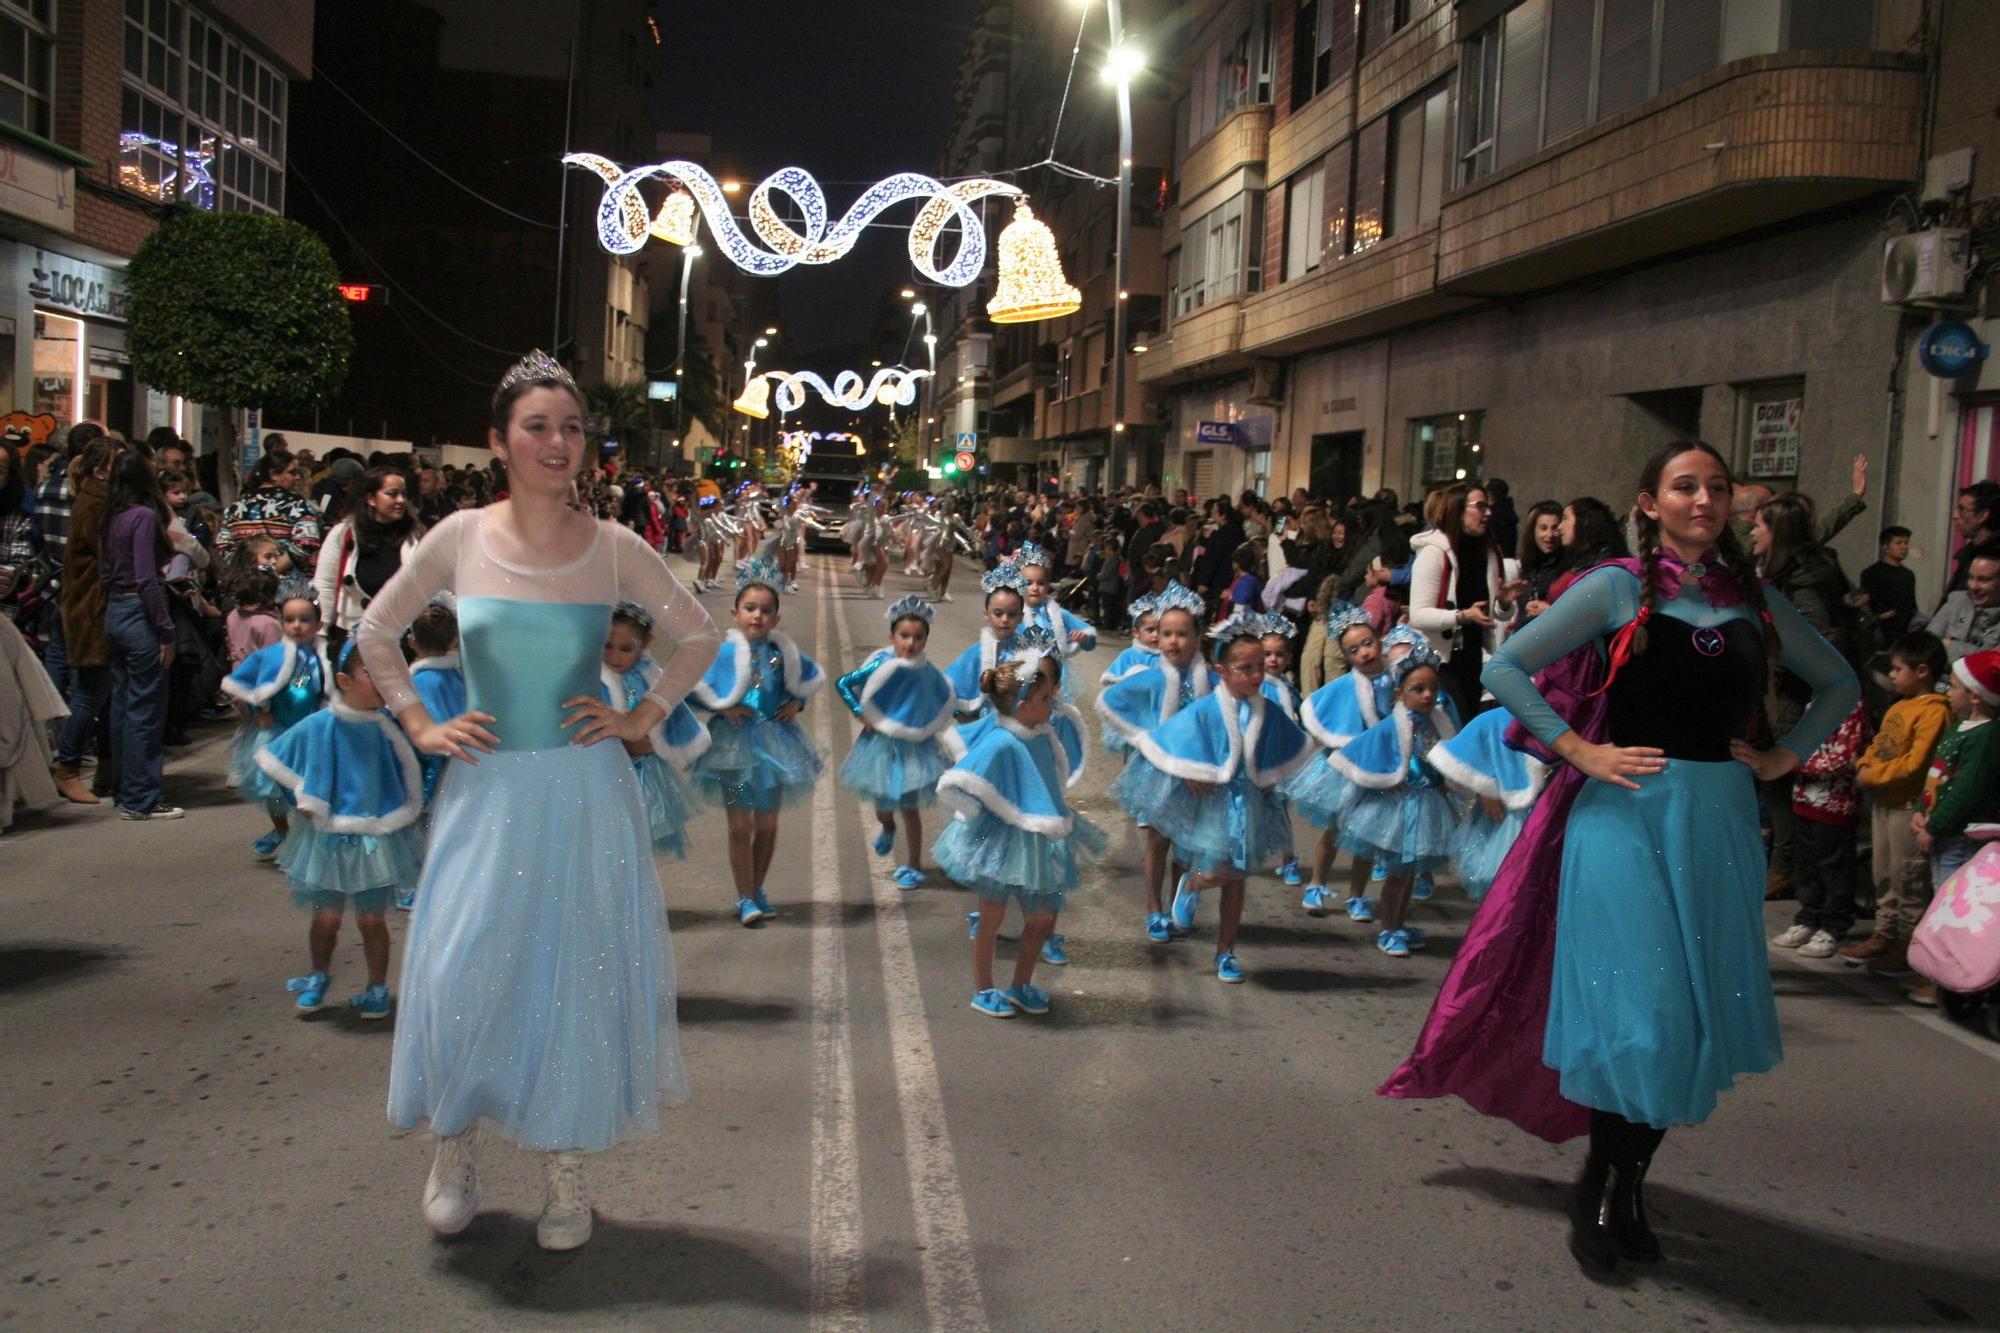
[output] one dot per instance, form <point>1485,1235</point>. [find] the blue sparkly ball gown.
<point>538,981</point>
<point>291,686</point>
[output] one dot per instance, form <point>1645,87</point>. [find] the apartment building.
<point>1419,241</point>
<point>112,114</point>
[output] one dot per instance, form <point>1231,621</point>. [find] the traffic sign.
<point>968,441</point>
<point>966,459</point>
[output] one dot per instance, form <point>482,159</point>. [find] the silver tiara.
<point>637,614</point>
<point>1006,575</point>
<point>1144,606</point>
<point>296,586</point>
<point>1031,554</point>
<point>1243,623</point>
<point>1273,623</point>
<point>1178,597</point>
<point>912,605</point>
<point>759,571</point>
<point>537,367</point>
<point>1346,619</point>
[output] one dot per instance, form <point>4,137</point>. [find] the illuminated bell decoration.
<point>1031,285</point>
<point>674,223</point>
<point>755,400</point>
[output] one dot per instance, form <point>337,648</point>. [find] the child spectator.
<point>1826,806</point>
<point>1962,789</point>
<point>1891,589</point>
<point>1108,583</point>
<point>1248,583</point>
<point>1892,774</point>
<point>253,622</point>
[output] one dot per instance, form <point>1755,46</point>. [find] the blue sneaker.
<point>763,903</point>
<point>1424,886</point>
<point>1159,927</point>
<point>748,912</point>
<point>909,877</point>
<point>972,925</point>
<point>992,1003</point>
<point>1414,938</point>
<point>1185,902</point>
<point>1289,871</point>
<point>1315,900</point>
<point>371,1003</point>
<point>1226,970</point>
<point>266,847</point>
<point>1379,873</point>
<point>1030,1000</point>
<point>1053,952</point>
<point>1395,943</point>
<point>311,990</point>
<point>885,842</point>
<point>406,900</point>
<point>1361,909</point>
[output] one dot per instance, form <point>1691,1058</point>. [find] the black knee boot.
<point>1590,1238</point>
<point>1630,1230</point>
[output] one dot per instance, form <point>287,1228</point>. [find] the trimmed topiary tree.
<point>236,310</point>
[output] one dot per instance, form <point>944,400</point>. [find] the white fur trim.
<point>1405,743</point>
<point>1467,778</point>
<point>1190,769</point>
<point>1071,712</point>
<point>967,794</point>
<point>288,663</point>
<point>791,667</point>
<point>317,810</point>
<point>902,731</point>
<point>680,756</point>
<point>448,662</point>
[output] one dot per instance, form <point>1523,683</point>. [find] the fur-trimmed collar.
<point>888,726</point>
<point>1406,727</point>
<point>447,662</point>
<point>1364,695</point>
<point>322,815</point>
<point>288,662</point>
<point>791,675</point>
<point>1242,753</point>
<point>1467,778</point>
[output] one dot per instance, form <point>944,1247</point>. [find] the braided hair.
<point>1730,551</point>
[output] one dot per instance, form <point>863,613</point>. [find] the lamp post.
<point>688,255</point>
<point>1124,63</point>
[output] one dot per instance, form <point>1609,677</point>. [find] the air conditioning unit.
<point>1267,383</point>
<point>1926,268</point>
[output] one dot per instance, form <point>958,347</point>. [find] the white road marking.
<point>952,1295</point>
<point>836,1245</point>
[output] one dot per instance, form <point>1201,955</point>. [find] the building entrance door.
<point>1336,466</point>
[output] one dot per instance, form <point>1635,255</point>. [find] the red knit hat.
<point>1980,673</point>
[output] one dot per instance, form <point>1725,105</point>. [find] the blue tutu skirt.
<point>347,864</point>
<point>1404,828</point>
<point>1318,790</point>
<point>761,765</point>
<point>1239,827</point>
<point>1481,845</point>
<point>244,775</point>
<point>669,803</point>
<point>894,774</point>
<point>1000,862</point>
<point>538,977</point>
<point>1661,994</point>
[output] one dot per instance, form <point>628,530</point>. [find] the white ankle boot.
<point>451,1195</point>
<point>565,1220</point>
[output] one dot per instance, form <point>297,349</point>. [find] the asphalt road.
<point>863,1150</point>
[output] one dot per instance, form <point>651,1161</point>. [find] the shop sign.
<point>1218,432</point>
<point>1774,437</point>
<point>77,286</point>
<point>37,188</point>
<point>1949,348</point>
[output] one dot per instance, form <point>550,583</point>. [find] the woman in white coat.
<point>364,550</point>
<point>1459,591</point>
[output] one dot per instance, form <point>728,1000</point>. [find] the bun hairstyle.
<point>1004,684</point>
<point>434,630</point>
<point>1727,548</point>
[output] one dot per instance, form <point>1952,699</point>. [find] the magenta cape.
<point>1483,1039</point>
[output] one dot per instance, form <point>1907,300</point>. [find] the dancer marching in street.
<point>906,707</point>
<point>277,687</point>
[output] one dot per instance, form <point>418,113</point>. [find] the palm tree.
<point>621,412</point>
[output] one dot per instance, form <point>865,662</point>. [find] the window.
<point>1380,19</point>
<point>1322,47</point>
<point>24,64</point>
<point>1064,367</point>
<point>1305,198</point>
<point>218,142</point>
<point>1233,72</point>
<point>1446,449</point>
<point>1212,261</point>
<point>1417,145</point>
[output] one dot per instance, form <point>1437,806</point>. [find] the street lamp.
<point>1124,63</point>
<point>689,254</point>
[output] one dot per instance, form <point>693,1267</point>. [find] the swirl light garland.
<point>891,386</point>
<point>623,222</point>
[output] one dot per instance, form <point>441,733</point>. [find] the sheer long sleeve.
<point>685,639</point>
<point>1593,607</point>
<point>429,570</point>
<point>1805,652</point>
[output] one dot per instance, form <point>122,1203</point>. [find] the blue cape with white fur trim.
<point>1345,707</point>
<point>1280,692</point>
<point>259,677</point>
<point>1147,698</point>
<point>1065,723</point>
<point>1479,760</point>
<point>1060,623</point>
<point>1380,757</point>
<point>730,676</point>
<point>679,737</point>
<point>1218,738</point>
<point>1009,771</point>
<point>968,666</point>
<point>348,771</point>
<point>904,698</point>
<point>1129,663</point>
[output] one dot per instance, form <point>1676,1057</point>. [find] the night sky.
<point>850,91</point>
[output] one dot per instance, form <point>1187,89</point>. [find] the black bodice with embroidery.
<point>1693,690</point>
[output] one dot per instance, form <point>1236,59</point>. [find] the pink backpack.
<point>1957,944</point>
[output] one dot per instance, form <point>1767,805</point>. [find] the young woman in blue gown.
<point>537,996</point>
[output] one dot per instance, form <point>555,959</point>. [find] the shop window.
<point>1770,419</point>
<point>61,379</point>
<point>1200,477</point>
<point>1445,449</point>
<point>1258,463</point>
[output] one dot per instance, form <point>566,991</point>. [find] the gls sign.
<point>77,286</point>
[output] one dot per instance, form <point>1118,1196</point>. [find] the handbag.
<point>1957,944</point>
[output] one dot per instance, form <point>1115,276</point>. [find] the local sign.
<point>1949,348</point>
<point>77,286</point>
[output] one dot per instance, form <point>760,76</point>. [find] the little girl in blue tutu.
<point>440,683</point>
<point>356,781</point>
<point>1014,836</point>
<point>906,707</point>
<point>1275,633</point>
<point>677,741</point>
<point>1146,699</point>
<point>1503,784</point>
<point>1073,634</point>
<point>277,687</point>
<point>758,760</point>
<point>1396,810</point>
<point>1334,715</point>
<point>1206,779</point>
<point>1145,649</point>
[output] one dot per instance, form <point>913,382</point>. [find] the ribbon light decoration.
<point>891,386</point>
<point>624,223</point>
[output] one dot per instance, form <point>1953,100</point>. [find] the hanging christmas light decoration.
<point>674,223</point>
<point>623,224</point>
<point>1032,285</point>
<point>891,386</point>
<point>755,400</point>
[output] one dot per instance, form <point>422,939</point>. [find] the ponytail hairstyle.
<point>1728,550</point>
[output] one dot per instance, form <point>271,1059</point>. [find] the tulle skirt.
<point>1661,994</point>
<point>1318,790</point>
<point>894,774</point>
<point>1238,827</point>
<point>1481,845</point>
<point>1000,862</point>
<point>761,765</point>
<point>1405,828</point>
<point>347,864</point>
<point>244,775</point>
<point>538,977</point>
<point>669,803</point>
